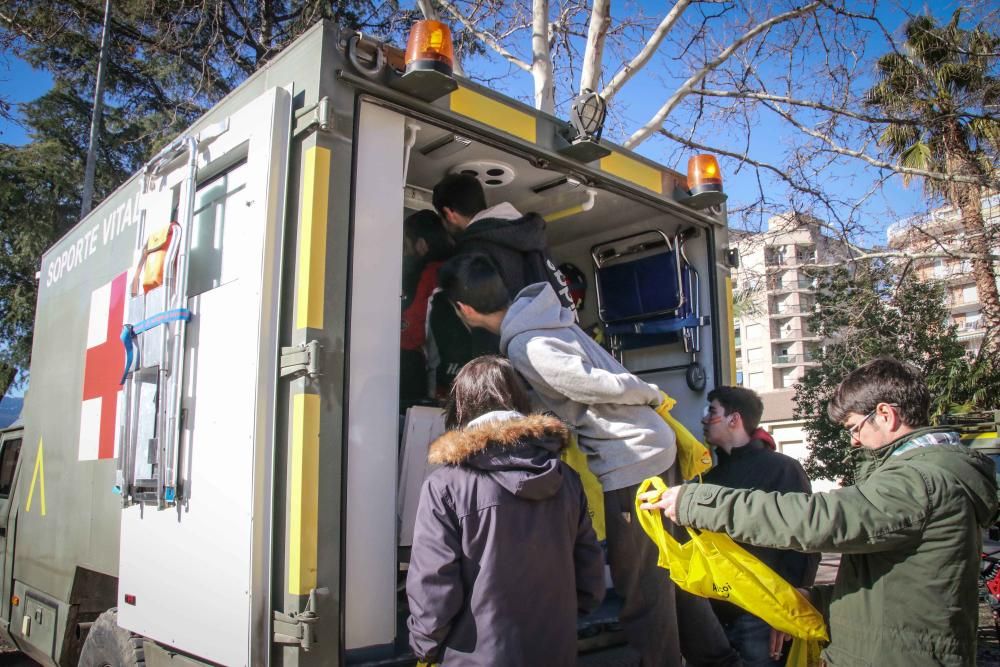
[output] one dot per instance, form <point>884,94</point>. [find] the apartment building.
<point>941,231</point>
<point>775,289</point>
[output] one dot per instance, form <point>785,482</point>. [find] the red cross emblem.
<point>104,361</point>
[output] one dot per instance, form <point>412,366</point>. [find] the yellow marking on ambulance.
<point>564,213</point>
<point>732,330</point>
<point>304,494</point>
<point>312,239</point>
<point>39,474</point>
<point>633,171</point>
<point>493,113</point>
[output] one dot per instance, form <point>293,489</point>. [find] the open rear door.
<point>194,567</point>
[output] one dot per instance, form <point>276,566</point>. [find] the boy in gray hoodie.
<point>612,412</point>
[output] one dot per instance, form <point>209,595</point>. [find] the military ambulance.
<point>211,460</point>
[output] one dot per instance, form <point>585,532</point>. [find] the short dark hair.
<point>483,385</point>
<point>427,225</point>
<point>883,380</point>
<point>462,193</point>
<point>742,400</point>
<point>474,280</point>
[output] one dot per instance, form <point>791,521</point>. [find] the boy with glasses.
<point>909,529</point>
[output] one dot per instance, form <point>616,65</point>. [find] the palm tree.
<point>942,93</point>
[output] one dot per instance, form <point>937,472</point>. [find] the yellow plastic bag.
<point>712,565</point>
<point>692,456</point>
<point>577,460</point>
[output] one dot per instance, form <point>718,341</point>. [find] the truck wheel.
<point>108,645</point>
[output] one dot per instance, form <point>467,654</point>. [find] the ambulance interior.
<point>588,226</point>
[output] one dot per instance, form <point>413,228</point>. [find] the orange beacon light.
<point>429,58</point>
<point>703,174</point>
<point>429,47</point>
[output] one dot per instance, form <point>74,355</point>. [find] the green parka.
<point>910,532</point>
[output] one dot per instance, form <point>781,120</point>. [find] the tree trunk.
<point>976,238</point>
<point>600,21</point>
<point>541,58</point>
<point>968,199</point>
<point>7,375</point>
<point>264,36</point>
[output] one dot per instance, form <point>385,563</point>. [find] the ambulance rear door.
<point>195,555</point>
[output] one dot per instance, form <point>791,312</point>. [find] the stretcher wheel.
<point>695,376</point>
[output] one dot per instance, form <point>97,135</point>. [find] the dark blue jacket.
<point>504,557</point>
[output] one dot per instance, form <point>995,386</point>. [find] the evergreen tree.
<point>943,91</point>
<point>873,312</point>
<point>169,62</point>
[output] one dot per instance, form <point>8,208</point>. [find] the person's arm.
<point>563,368</point>
<point>799,569</point>
<point>588,559</point>
<point>434,580</point>
<point>876,516</point>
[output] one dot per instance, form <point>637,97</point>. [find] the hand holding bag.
<point>712,565</point>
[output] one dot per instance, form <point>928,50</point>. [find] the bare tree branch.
<point>743,158</point>
<point>483,36</point>
<point>753,95</point>
<point>647,51</point>
<point>881,164</point>
<point>649,128</point>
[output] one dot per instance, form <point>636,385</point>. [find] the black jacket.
<point>756,466</point>
<point>504,556</point>
<point>519,249</point>
<point>450,344</point>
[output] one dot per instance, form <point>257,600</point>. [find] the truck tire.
<point>108,645</point>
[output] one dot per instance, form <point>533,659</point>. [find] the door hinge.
<point>315,117</point>
<point>300,359</point>
<point>297,627</point>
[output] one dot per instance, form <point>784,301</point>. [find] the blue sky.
<point>640,99</point>
<point>19,82</point>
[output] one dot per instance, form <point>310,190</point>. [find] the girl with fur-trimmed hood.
<point>504,556</point>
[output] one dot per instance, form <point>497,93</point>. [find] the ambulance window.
<point>215,228</point>
<point>8,462</point>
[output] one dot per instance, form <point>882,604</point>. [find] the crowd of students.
<point>504,557</point>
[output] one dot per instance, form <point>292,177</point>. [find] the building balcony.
<point>974,325</point>
<point>793,359</point>
<point>793,334</point>
<point>785,262</point>
<point>791,311</point>
<point>952,272</point>
<point>783,286</point>
<point>970,330</point>
<point>972,335</point>
<point>962,305</point>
